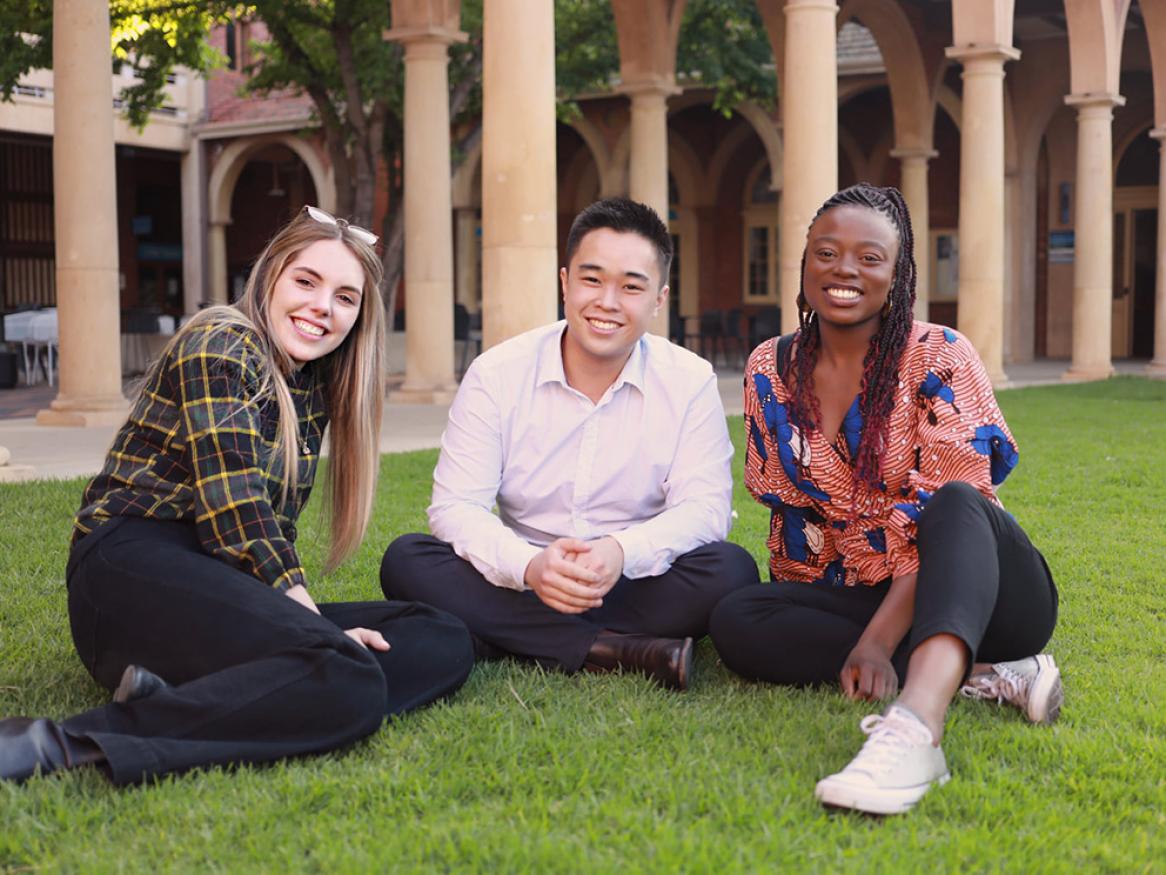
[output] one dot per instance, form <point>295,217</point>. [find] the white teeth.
<point>846,294</point>
<point>604,326</point>
<point>308,327</point>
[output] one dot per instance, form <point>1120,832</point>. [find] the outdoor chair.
<point>467,329</point>
<point>764,325</point>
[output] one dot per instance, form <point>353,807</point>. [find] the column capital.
<point>425,34</point>
<point>914,153</point>
<point>1096,100</point>
<point>982,52</point>
<point>1159,134</point>
<point>811,5</point>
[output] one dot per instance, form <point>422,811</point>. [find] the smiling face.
<point>850,266</point>
<point>316,300</point>
<point>611,289</point>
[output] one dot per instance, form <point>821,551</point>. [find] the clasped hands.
<point>573,576</point>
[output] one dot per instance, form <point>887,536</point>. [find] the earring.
<point>888,306</point>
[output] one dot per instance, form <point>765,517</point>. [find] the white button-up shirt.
<point>649,464</point>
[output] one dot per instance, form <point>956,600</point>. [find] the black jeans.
<point>980,579</point>
<point>254,675</point>
<point>675,604</point>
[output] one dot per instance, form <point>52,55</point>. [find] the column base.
<point>1087,373</point>
<point>17,473</point>
<point>91,413</point>
<point>1000,381</point>
<point>1156,369</point>
<point>409,395</point>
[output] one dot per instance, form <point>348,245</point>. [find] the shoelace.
<point>1003,684</point>
<point>888,738</point>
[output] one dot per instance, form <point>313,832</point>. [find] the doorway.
<point>1135,244</point>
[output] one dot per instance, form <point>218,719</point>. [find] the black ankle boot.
<point>668,661</point>
<point>28,746</point>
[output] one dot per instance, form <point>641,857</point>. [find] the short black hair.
<point>625,216</point>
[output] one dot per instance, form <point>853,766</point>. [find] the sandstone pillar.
<point>648,161</point>
<point>217,239</point>
<point>194,286</point>
<point>913,183</point>
<point>981,227</point>
<point>1157,367</point>
<point>85,223</point>
<point>519,235</point>
<point>1093,241</point>
<point>466,244</point>
<point>809,96</point>
<point>429,377</point>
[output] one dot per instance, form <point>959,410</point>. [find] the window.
<point>760,237</point>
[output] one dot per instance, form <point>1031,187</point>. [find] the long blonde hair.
<point>352,377</point>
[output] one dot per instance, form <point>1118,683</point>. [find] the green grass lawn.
<point>529,771</point>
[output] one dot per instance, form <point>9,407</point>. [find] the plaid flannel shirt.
<point>198,446</point>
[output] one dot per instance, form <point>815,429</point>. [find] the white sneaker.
<point>896,766</point>
<point>1032,684</point>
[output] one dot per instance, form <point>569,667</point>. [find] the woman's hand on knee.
<point>370,639</point>
<point>868,674</point>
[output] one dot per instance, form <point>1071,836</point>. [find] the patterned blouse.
<point>198,447</point>
<point>945,426</point>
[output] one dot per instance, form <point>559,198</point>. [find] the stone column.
<point>466,263</point>
<point>981,228</point>
<point>809,96</point>
<point>648,160</point>
<point>1093,241</point>
<point>85,220</point>
<point>913,183</point>
<point>429,358</point>
<point>194,286</point>
<point>217,239</point>
<point>1157,366</point>
<point>519,235</point>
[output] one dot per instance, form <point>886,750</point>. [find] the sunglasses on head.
<point>362,234</point>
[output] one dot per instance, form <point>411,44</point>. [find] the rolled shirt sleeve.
<point>699,492</point>
<point>466,483</point>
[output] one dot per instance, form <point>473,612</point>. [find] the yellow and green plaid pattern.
<point>199,446</point>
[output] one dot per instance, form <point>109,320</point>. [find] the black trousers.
<point>675,604</point>
<point>255,676</point>
<point>980,579</point>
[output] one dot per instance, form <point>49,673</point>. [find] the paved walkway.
<point>56,452</point>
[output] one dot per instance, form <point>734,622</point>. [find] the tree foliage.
<point>333,51</point>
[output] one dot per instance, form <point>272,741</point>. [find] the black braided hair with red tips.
<point>880,368</point>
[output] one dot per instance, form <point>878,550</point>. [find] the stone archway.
<point>224,179</point>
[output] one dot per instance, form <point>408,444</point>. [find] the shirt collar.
<point>549,367</point>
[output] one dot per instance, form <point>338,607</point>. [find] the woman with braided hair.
<point>877,444</point>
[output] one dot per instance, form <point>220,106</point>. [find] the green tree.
<point>333,52</point>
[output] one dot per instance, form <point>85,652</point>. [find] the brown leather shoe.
<point>668,661</point>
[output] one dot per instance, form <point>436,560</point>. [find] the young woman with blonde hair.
<point>186,594</point>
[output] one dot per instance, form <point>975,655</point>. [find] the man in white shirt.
<point>606,452</point>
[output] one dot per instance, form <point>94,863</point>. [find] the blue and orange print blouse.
<point>826,529</point>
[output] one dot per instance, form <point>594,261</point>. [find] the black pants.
<point>980,579</point>
<point>255,676</point>
<point>675,604</point>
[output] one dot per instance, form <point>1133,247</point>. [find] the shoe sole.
<point>871,800</point>
<point>1046,694</point>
